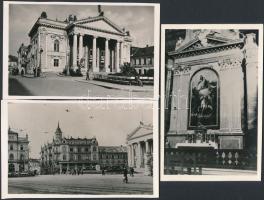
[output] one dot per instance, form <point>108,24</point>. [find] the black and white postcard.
<point>86,50</point>
<point>211,105</point>
<point>79,149</point>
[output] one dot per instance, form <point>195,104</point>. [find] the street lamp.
<point>39,68</point>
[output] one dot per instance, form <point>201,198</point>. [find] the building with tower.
<point>92,43</point>
<point>66,154</point>
<point>211,98</point>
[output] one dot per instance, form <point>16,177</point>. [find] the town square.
<point>75,155</point>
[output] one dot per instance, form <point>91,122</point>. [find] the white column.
<point>74,51</point>
<point>107,69</point>
<point>139,155</point>
<point>98,58</point>
<point>132,156</point>
<point>121,53</point>
<point>117,58</point>
<point>86,57</point>
<point>113,58</point>
<point>80,47</point>
<point>94,54</point>
<point>147,146</point>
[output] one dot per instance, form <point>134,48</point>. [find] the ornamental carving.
<point>229,63</point>
<point>182,69</point>
<point>57,37</point>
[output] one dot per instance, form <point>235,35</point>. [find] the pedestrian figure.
<point>125,179</point>
<point>103,172</point>
<point>87,75</point>
<point>132,171</point>
<point>140,83</point>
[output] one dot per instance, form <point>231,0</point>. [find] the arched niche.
<point>204,99</point>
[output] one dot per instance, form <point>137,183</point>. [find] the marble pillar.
<point>74,52</point>
<point>95,69</point>
<point>107,69</point>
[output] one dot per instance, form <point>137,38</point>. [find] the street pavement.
<point>83,184</point>
<point>53,85</point>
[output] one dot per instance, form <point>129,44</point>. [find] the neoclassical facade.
<point>94,43</point>
<point>18,152</point>
<point>211,93</point>
<point>140,148</point>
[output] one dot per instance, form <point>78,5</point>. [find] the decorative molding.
<point>206,50</point>
<point>181,69</point>
<point>57,37</point>
<point>229,63</point>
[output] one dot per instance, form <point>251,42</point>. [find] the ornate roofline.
<point>97,18</point>
<point>38,24</point>
<point>95,29</point>
<point>148,127</point>
<point>238,43</point>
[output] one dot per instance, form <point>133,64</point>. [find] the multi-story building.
<point>67,154</point>
<point>113,156</point>
<point>95,43</point>
<point>18,152</point>
<point>23,61</point>
<point>142,59</point>
<point>140,148</point>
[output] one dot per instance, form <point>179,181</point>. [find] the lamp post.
<point>39,68</point>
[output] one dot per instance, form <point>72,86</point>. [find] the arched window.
<point>11,147</point>
<point>21,148</point>
<point>64,157</point>
<point>204,99</point>
<point>56,46</point>
<point>21,157</point>
<point>94,149</point>
<point>11,156</point>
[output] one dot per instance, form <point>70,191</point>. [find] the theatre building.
<point>18,152</point>
<point>140,148</point>
<point>92,43</point>
<point>211,99</point>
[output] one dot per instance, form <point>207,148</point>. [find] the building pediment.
<point>205,40</point>
<point>140,131</point>
<point>100,23</point>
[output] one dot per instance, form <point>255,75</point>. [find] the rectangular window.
<point>56,62</point>
<point>149,61</point>
<point>142,61</point>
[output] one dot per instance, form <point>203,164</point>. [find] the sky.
<point>139,20</point>
<point>109,123</point>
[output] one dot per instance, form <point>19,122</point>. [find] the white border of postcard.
<point>4,152</point>
<point>256,177</point>
<point>156,17</point>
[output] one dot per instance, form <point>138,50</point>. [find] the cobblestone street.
<point>53,85</point>
<point>82,184</point>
